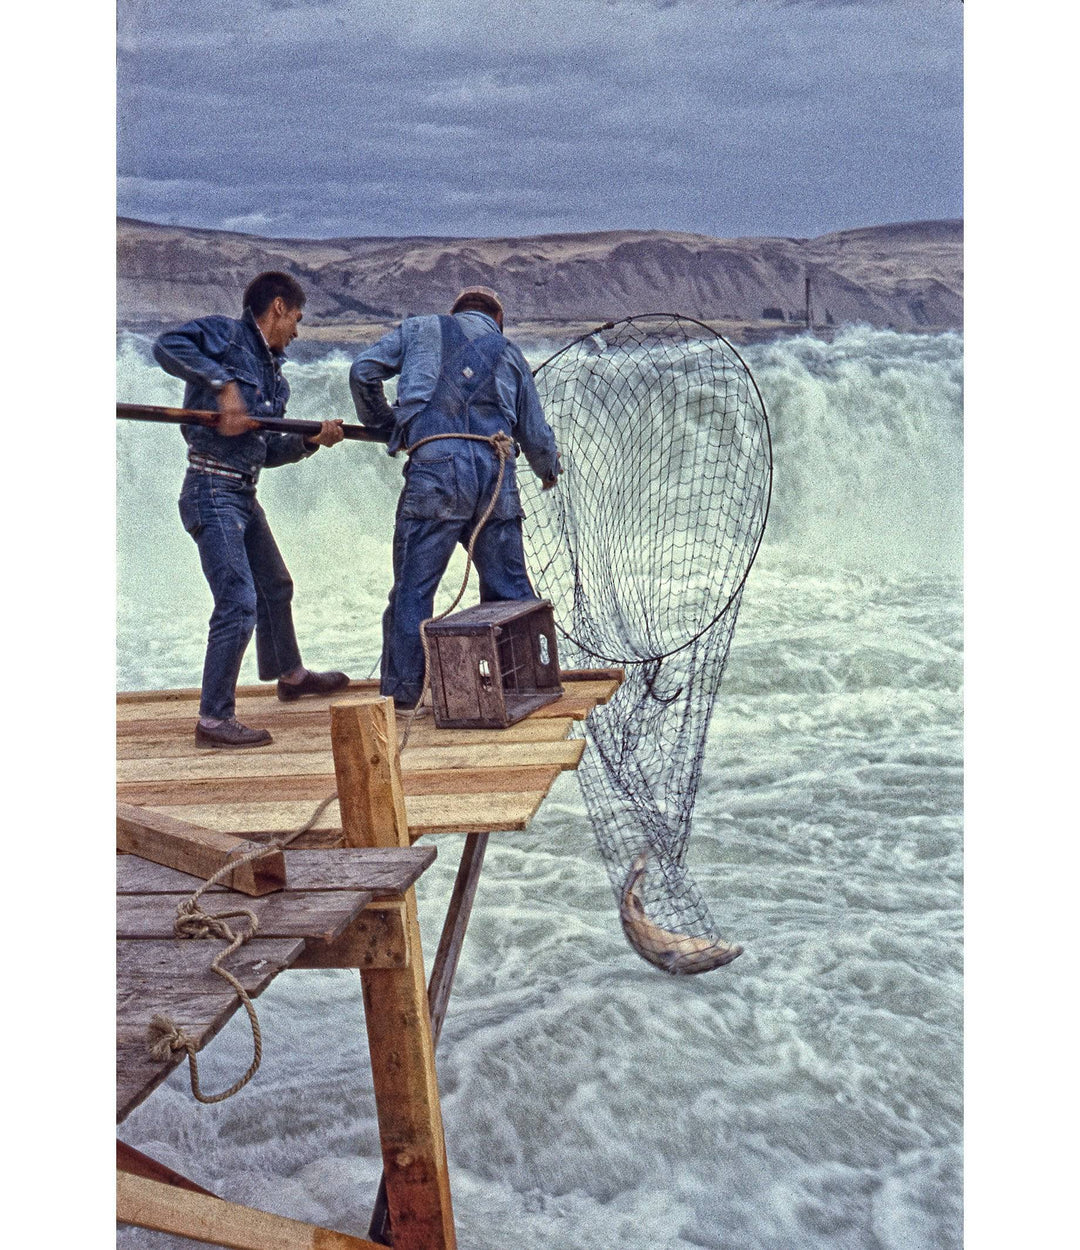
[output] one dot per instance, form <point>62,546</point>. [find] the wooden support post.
<point>442,978</point>
<point>155,1204</point>
<point>368,768</point>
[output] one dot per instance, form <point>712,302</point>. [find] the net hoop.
<point>733,597</point>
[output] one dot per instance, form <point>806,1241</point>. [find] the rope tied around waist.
<point>503,446</point>
<point>164,1037</point>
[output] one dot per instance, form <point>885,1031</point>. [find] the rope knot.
<point>192,922</point>
<point>503,444</point>
<point>163,1038</point>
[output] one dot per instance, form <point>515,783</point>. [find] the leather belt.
<point>207,464</point>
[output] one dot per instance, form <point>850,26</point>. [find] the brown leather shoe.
<point>231,733</point>
<point>312,683</point>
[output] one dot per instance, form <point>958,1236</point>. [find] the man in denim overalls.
<point>458,375</point>
<point>235,367</point>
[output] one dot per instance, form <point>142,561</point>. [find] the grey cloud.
<point>362,118</point>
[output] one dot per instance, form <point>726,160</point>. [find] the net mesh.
<point>644,548</point>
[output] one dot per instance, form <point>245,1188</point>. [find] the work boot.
<point>312,683</point>
<point>230,733</point>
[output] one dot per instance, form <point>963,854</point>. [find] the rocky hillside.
<point>909,276</point>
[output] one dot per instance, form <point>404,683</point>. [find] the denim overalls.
<point>448,485</point>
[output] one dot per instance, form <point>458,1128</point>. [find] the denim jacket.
<point>212,351</point>
<point>414,350</point>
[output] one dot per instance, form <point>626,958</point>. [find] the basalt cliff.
<point>908,276</point>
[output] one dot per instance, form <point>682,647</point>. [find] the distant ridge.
<point>907,275</point>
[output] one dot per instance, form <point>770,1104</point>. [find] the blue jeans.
<point>251,586</point>
<point>422,550</point>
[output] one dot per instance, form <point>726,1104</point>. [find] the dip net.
<point>644,547</point>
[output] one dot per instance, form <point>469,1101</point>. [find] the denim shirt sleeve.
<point>286,449</point>
<point>381,361</point>
<point>196,352</point>
<point>517,390</point>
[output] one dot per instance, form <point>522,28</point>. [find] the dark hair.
<point>479,299</point>
<point>263,290</point>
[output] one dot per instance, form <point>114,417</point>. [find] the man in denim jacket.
<point>458,374</point>
<point>235,367</point>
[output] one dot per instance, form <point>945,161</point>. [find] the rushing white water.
<point>809,1095</point>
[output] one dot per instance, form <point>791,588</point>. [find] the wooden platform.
<point>455,780</point>
<point>340,896</point>
<point>156,972</point>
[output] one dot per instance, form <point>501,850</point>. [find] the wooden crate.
<point>493,664</point>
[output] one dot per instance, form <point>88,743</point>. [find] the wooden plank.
<point>424,733</point>
<point>577,702</point>
<point>377,938</point>
<point>382,870</point>
<point>564,754</point>
<point>395,1000</point>
<point>217,765</point>
<point>573,675</point>
<point>175,978</point>
<point>321,914</point>
<point>191,693</point>
<point>257,707</point>
<point>137,1075</point>
<point>267,690</point>
<point>230,764</point>
<point>256,702</point>
<point>179,733</point>
<point>201,852</point>
<point>254,819</point>
<point>436,813</point>
<point>461,813</point>
<point>147,739</point>
<point>182,965</point>
<point>453,933</point>
<point>154,1204</point>
<point>262,789</point>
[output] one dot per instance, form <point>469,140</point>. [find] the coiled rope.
<point>164,1037</point>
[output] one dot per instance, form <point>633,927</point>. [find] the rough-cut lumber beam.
<point>201,852</point>
<point>402,1052</point>
<point>323,915</point>
<point>128,1159</point>
<point>377,938</point>
<point>385,871</point>
<point>442,977</point>
<point>154,1204</point>
<point>368,770</point>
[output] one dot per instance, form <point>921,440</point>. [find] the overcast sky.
<point>468,117</point>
